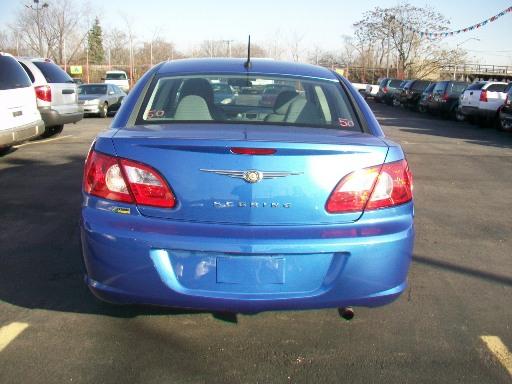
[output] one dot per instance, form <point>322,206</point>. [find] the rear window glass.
<point>457,88</point>
<point>115,76</point>
<point>52,72</point>
<point>299,102</point>
<point>475,87</point>
<point>497,87</point>
<point>420,85</point>
<point>440,87</point>
<point>92,89</point>
<point>430,88</point>
<point>12,74</point>
<point>395,83</point>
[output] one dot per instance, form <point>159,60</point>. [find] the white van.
<point>20,119</point>
<point>119,78</point>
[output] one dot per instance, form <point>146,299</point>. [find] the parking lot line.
<point>9,332</point>
<point>43,141</point>
<point>499,350</point>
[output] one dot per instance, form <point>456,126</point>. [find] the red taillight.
<point>44,92</point>
<point>385,90</point>
<point>372,188</point>
<point>125,180</point>
<point>483,95</point>
<point>445,97</point>
<point>253,151</point>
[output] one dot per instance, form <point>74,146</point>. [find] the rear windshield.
<point>457,88</point>
<point>52,72</point>
<point>300,102</point>
<point>420,85</point>
<point>115,76</point>
<point>475,87</point>
<point>497,87</point>
<point>92,89</point>
<point>12,74</point>
<point>395,83</point>
<point>430,88</point>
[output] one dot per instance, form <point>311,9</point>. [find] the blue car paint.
<point>150,256</point>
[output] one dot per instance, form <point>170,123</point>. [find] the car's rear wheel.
<point>52,131</point>
<point>4,150</point>
<point>422,108</point>
<point>104,110</point>
<point>458,115</point>
<point>505,125</point>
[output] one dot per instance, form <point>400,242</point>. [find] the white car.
<point>20,119</point>
<point>482,100</point>
<point>119,78</point>
<point>56,94</point>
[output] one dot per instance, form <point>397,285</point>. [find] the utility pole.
<point>36,7</point>
<point>229,46</point>
<point>388,20</point>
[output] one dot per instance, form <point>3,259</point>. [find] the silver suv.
<point>56,94</point>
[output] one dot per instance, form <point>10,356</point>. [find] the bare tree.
<point>52,29</point>
<point>295,45</point>
<point>396,27</point>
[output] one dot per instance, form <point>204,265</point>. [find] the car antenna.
<point>248,63</point>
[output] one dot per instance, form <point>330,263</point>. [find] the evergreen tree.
<point>95,43</point>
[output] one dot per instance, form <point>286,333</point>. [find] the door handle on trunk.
<point>68,91</point>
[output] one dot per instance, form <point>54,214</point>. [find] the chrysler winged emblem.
<point>251,176</point>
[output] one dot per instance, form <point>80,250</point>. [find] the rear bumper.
<point>478,112</point>
<point>133,259</point>
<point>52,117</point>
<point>22,133</point>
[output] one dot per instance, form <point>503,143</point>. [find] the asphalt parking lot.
<point>453,325</point>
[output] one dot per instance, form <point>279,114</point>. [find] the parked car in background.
<point>387,89</point>
<point>445,98</point>
<point>412,92</point>
<point>100,99</point>
<point>425,98</point>
<point>119,78</point>
<point>20,119</point>
<point>56,94</point>
<point>401,97</point>
<point>506,110</point>
<point>395,101</point>
<point>481,101</point>
<point>188,203</point>
<point>223,93</point>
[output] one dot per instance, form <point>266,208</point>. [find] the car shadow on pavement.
<point>40,256</point>
<point>464,270</point>
<point>434,125</point>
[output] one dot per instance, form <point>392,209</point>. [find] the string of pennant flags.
<point>440,35</point>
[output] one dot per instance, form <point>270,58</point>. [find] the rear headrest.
<point>198,87</point>
<point>283,101</point>
<point>192,107</point>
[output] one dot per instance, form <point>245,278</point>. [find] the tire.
<point>505,125</point>
<point>422,109</point>
<point>458,115</point>
<point>52,131</point>
<point>5,150</point>
<point>396,103</point>
<point>104,110</point>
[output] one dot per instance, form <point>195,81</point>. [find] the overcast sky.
<point>322,22</point>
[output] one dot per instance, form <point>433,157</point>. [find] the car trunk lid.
<point>293,183</point>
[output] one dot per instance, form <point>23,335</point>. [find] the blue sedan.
<point>243,207</point>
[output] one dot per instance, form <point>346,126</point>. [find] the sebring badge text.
<point>249,204</point>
